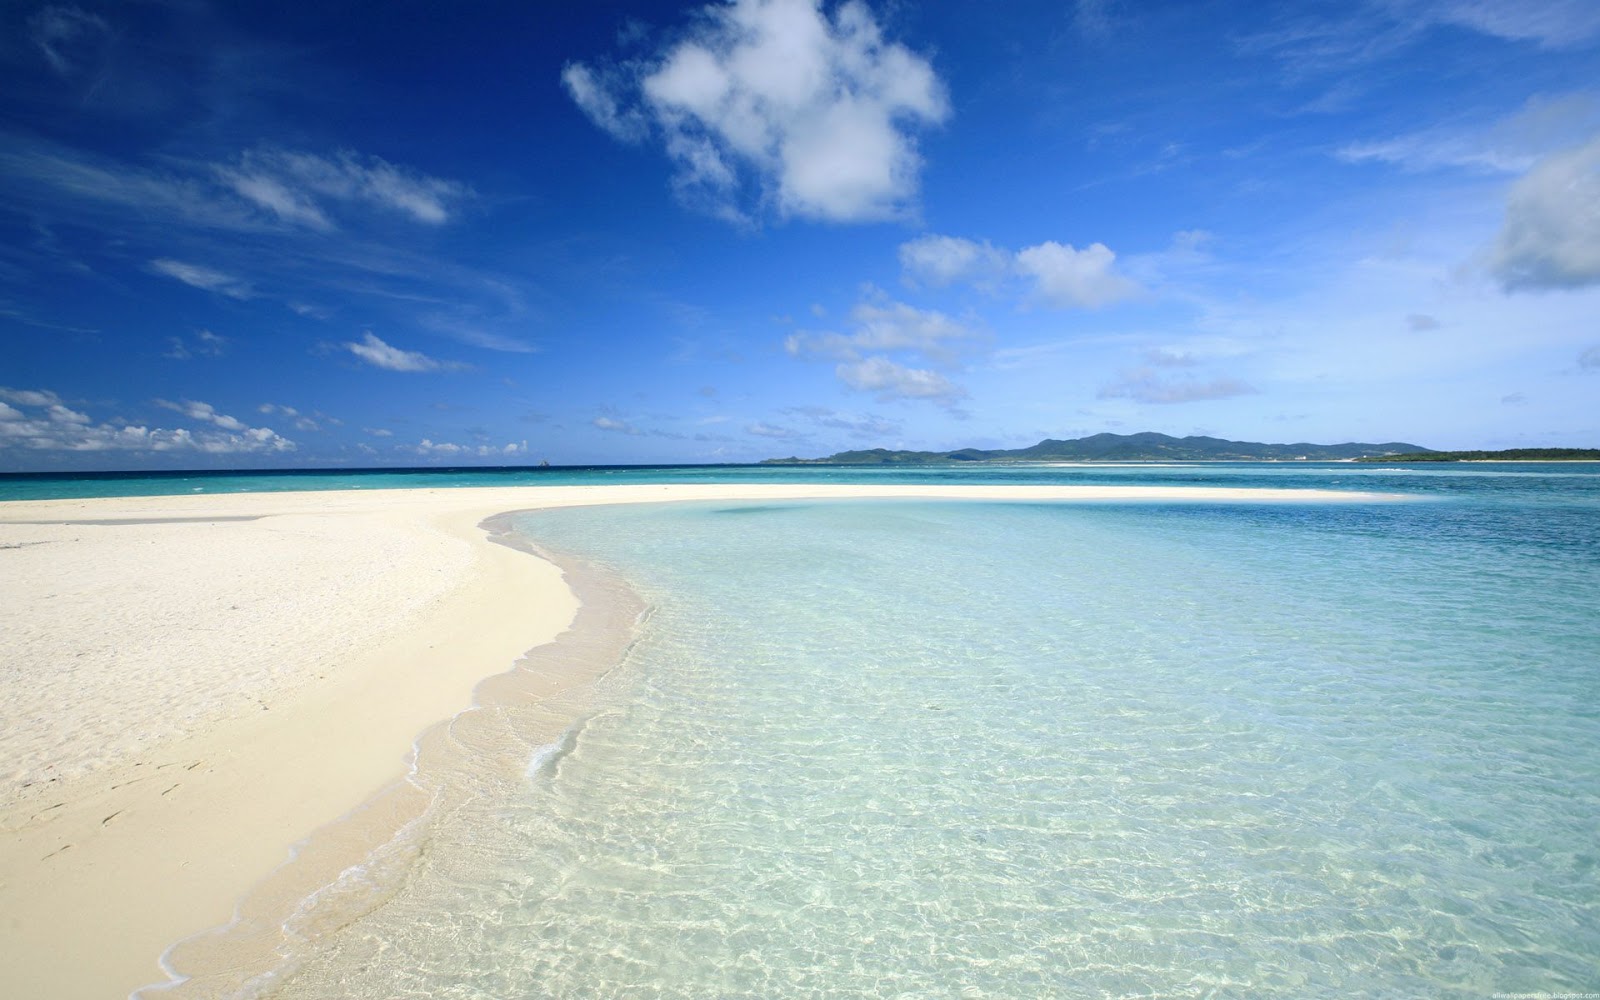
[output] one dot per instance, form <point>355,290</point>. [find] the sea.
<point>917,748</point>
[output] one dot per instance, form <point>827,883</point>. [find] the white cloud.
<point>9,412</point>
<point>446,449</point>
<point>1056,274</point>
<point>817,113</point>
<point>597,101</point>
<point>301,421</point>
<point>294,186</point>
<point>882,325</point>
<point>1544,124</point>
<point>942,260</point>
<point>1551,234</point>
<point>765,430</point>
<point>59,428</point>
<point>29,397</point>
<point>619,426</point>
<point>891,381</point>
<point>1552,24</point>
<point>1065,276</point>
<point>374,351</point>
<point>260,190</point>
<point>473,332</point>
<point>204,278</point>
<point>1145,386</point>
<point>204,412</point>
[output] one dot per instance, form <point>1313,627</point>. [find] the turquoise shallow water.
<point>1507,480</point>
<point>895,749</point>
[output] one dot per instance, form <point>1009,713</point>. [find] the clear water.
<point>923,749</point>
<point>1497,479</point>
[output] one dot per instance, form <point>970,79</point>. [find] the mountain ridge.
<point>1146,446</point>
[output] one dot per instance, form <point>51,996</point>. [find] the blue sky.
<point>273,235</point>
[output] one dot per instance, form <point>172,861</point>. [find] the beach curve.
<point>126,853</point>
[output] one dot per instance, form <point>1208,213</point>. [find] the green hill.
<point>1145,447</point>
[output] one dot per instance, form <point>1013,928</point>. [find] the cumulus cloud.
<point>1144,385</point>
<point>374,351</point>
<point>815,115</point>
<point>1551,234</point>
<point>891,381</point>
<point>53,426</point>
<point>29,397</point>
<point>449,449</point>
<point>204,278</point>
<point>1054,273</point>
<point>1066,276</point>
<point>297,187</point>
<point>882,327</point>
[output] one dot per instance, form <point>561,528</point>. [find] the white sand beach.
<point>192,685</point>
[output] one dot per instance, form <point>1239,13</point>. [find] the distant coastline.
<point>1144,447</point>
<point>1506,455</point>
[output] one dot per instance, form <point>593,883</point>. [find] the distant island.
<point>1508,455</point>
<point>1145,447</point>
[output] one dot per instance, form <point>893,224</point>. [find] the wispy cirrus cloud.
<point>202,344</point>
<point>204,278</point>
<point>859,425</point>
<point>1513,144</point>
<point>1334,39</point>
<point>1145,385</point>
<point>773,431</point>
<point>64,35</point>
<point>300,188</point>
<point>776,105</point>
<point>376,352</point>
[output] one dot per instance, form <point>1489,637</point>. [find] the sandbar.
<point>191,685</point>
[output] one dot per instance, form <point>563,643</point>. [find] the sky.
<point>268,235</point>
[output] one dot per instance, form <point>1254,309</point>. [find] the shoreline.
<point>128,856</point>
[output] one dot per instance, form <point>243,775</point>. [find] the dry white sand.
<point>191,685</point>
